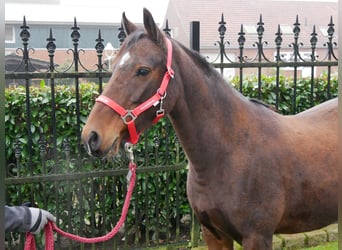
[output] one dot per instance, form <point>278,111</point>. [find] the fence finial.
<point>222,28</point>
<point>24,34</point>
<point>167,29</point>
<point>99,47</point>
<point>75,35</point>
<point>121,34</point>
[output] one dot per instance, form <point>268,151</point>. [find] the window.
<point>289,57</point>
<point>286,29</point>
<point>9,34</point>
<point>324,30</point>
<point>250,29</point>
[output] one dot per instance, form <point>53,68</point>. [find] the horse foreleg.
<point>213,243</point>
<point>257,242</point>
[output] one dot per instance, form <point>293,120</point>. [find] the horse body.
<point>252,171</point>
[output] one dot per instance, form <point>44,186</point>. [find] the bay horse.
<point>252,172</point>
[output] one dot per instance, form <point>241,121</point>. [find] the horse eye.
<point>143,72</point>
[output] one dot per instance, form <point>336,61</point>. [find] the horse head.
<point>134,97</point>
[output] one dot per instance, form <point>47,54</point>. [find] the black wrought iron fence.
<point>47,165</point>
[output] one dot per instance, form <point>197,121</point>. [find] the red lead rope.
<point>50,227</point>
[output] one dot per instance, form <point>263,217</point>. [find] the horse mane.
<point>208,68</point>
<point>198,59</point>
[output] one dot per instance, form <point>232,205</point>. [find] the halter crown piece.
<point>128,116</point>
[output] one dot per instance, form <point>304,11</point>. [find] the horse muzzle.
<point>95,146</point>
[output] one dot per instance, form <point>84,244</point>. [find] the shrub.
<point>320,91</point>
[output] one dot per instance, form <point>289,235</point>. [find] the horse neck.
<point>208,111</point>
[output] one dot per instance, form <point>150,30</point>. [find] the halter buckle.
<point>129,151</point>
<point>160,112</point>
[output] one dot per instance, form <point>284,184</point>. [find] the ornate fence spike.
<point>176,140</point>
<point>167,29</point>
<point>99,47</point>
<point>296,29</point>
<point>42,146</point>
<point>278,40</point>
<point>242,39</point>
<point>75,34</point>
<point>313,42</point>
<point>51,46</point>
<point>260,29</point>
<point>156,141</point>
<point>25,34</point>
<point>222,28</point>
<point>17,148</point>
<point>121,34</point>
<point>221,43</point>
<point>331,29</point>
<point>330,43</point>
<point>66,145</point>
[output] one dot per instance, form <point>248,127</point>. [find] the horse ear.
<point>151,28</point>
<point>128,26</point>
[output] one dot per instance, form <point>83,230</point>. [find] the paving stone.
<point>301,240</point>
<point>294,241</point>
<point>332,232</point>
<point>277,242</point>
<point>316,237</point>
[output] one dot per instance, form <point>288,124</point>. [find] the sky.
<point>102,11</point>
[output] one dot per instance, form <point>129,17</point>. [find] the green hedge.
<point>41,115</point>
<point>65,108</point>
<point>320,91</point>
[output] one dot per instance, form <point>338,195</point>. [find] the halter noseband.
<point>128,116</point>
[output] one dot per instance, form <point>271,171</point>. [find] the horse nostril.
<point>94,143</point>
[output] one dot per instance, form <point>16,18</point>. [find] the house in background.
<point>247,12</point>
<point>61,31</point>
<point>14,63</point>
<point>58,15</point>
<point>104,15</point>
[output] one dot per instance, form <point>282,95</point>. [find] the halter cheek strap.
<point>128,116</point>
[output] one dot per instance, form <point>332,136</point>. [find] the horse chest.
<point>210,200</point>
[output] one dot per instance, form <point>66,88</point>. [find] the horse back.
<point>325,112</point>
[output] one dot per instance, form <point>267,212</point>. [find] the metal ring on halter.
<point>128,117</point>
<point>162,96</point>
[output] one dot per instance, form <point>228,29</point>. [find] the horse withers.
<point>252,172</point>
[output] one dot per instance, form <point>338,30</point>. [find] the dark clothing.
<point>17,219</point>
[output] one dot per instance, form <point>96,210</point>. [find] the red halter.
<point>128,116</point>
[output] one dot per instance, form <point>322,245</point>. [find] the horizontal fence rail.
<point>47,166</point>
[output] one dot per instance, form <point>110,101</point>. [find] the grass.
<point>328,246</point>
